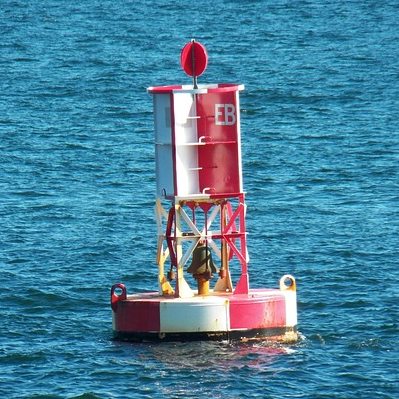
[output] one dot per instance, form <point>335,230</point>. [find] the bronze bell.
<point>202,262</point>
<point>171,275</point>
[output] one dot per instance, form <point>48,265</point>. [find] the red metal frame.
<point>234,229</point>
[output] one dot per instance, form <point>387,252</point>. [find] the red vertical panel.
<point>268,312</point>
<point>138,316</point>
<point>219,157</point>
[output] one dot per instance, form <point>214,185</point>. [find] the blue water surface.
<point>320,137</point>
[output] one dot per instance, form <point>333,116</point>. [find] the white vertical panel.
<point>163,145</point>
<point>196,315</point>
<point>185,138</point>
<point>291,318</point>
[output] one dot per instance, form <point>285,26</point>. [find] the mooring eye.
<point>288,282</point>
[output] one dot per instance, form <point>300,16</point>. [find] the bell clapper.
<point>202,267</point>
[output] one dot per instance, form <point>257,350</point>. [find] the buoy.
<point>200,215</point>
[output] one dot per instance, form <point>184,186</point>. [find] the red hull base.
<point>263,314</point>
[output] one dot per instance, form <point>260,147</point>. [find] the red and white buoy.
<point>200,212</point>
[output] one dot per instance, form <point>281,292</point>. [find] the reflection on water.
<point>216,355</point>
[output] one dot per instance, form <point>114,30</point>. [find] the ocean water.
<point>320,137</point>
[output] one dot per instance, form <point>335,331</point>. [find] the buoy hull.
<point>265,314</point>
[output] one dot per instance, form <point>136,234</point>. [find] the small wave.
<point>87,395</point>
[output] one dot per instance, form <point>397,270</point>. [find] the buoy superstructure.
<point>202,258</point>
